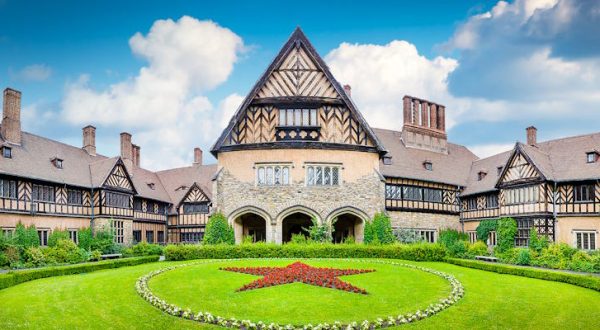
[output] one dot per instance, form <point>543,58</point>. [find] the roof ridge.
<point>569,137</point>
<point>62,143</point>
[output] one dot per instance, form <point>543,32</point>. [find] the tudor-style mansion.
<point>298,148</point>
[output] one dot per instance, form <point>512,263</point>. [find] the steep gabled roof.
<point>297,39</point>
<point>178,181</point>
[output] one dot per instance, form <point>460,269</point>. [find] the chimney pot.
<point>11,116</point>
<point>135,154</point>
<point>89,140</point>
<point>531,135</point>
<point>197,156</point>
<point>348,90</point>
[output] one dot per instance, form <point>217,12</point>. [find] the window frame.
<point>196,207</point>
<point>79,197</point>
<point>578,192</point>
<point>108,201</point>
<point>7,152</point>
<point>118,228</point>
<point>43,234</point>
<point>46,189</point>
<point>298,117</point>
<point>12,188</point>
<point>321,180</point>
<point>268,174</point>
<point>591,240</point>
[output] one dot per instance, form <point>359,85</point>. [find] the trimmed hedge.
<point>586,281</point>
<point>415,252</point>
<point>15,277</point>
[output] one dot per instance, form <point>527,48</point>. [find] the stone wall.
<point>104,223</point>
<point>419,220</point>
<point>363,197</point>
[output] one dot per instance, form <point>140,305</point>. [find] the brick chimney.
<point>89,140</point>
<point>531,135</point>
<point>126,148</point>
<point>348,90</point>
<point>424,125</point>
<point>197,156</point>
<point>11,116</point>
<point>135,154</point>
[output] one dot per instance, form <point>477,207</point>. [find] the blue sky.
<point>498,67</point>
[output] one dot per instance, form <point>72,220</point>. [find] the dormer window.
<point>387,160</point>
<point>57,162</point>
<point>499,170</point>
<point>481,175</point>
<point>182,187</point>
<point>150,185</point>
<point>428,165</point>
<point>592,157</point>
<point>7,152</point>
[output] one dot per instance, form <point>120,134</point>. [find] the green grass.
<point>107,300</point>
<point>392,290</point>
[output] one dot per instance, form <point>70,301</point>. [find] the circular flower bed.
<point>456,294</point>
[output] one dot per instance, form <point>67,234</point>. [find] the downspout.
<point>92,206</point>
<point>460,218</point>
<point>554,210</point>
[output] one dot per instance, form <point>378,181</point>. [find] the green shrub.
<point>4,262</point>
<point>349,240</point>
<point>536,242</point>
<point>13,255</point>
<point>298,239</point>
<point>581,261</point>
<point>26,237</point>
<point>478,248</point>
<point>448,237</point>
<point>85,238</point>
<point>34,257</point>
<point>65,252</point>
<point>379,230</point>
<point>57,235</point>
<point>416,252</point>
<point>249,239</point>
<point>144,249</point>
<point>218,231</point>
<point>586,281</point>
<point>407,236</point>
<point>320,233</point>
<point>15,277</point>
<point>104,240</point>
<point>505,234</point>
<point>96,255</point>
<point>485,227</point>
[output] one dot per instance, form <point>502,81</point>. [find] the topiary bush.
<point>505,234</point>
<point>485,227</point>
<point>218,230</point>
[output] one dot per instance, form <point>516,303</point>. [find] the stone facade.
<point>362,198</point>
<point>422,220</point>
<point>104,223</point>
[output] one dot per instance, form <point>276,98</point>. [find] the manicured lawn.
<point>107,299</point>
<point>392,290</point>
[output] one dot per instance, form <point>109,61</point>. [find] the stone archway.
<point>293,220</point>
<point>349,221</point>
<point>250,221</point>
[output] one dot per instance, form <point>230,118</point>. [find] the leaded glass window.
<point>273,174</point>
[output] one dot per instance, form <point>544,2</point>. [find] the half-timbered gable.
<point>519,169</point>
<point>420,196</point>
<point>119,179</point>
<point>297,100</point>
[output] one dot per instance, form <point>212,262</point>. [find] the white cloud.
<point>380,75</point>
<point>34,72</point>
<point>164,105</point>
<point>486,150</point>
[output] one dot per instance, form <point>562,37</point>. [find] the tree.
<point>26,237</point>
<point>218,231</point>
<point>505,232</point>
<point>57,235</point>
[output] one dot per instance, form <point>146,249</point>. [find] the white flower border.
<point>457,293</point>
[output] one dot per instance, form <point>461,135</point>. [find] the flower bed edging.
<point>205,317</point>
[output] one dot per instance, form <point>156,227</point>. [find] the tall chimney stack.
<point>89,140</point>
<point>135,152</point>
<point>126,148</point>
<point>197,156</point>
<point>348,90</point>
<point>531,135</point>
<point>424,125</point>
<point>11,116</point>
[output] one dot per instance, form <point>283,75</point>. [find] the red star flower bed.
<point>299,272</point>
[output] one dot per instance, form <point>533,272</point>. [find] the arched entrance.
<point>293,224</point>
<point>250,221</point>
<point>346,225</point>
<point>251,224</point>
